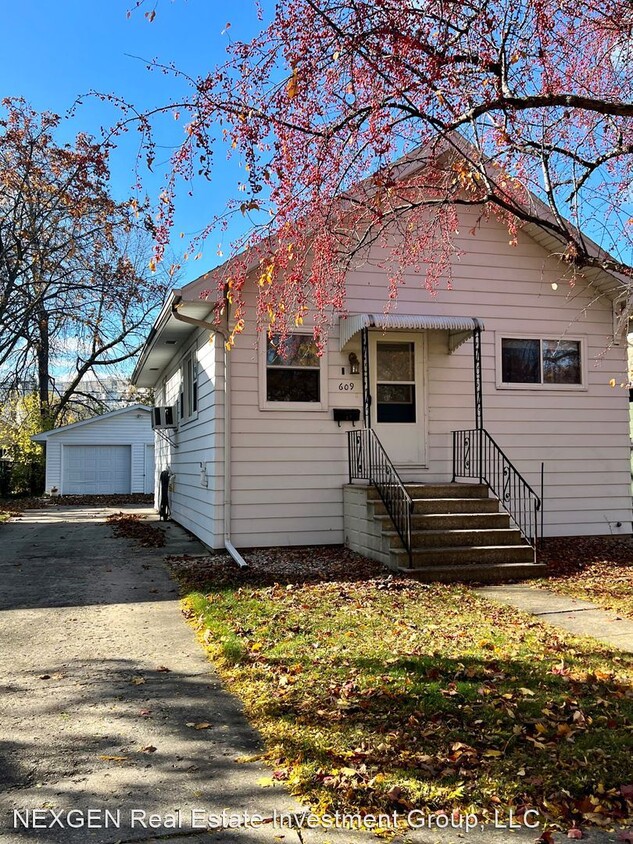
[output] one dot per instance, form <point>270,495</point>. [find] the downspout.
<point>200,323</point>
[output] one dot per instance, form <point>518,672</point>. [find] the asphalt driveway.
<point>113,726</point>
<point>101,682</point>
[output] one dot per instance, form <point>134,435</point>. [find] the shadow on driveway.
<point>69,556</point>
<point>108,701</point>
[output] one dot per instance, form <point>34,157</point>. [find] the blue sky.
<point>55,50</point>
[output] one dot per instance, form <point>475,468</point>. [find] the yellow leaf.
<point>292,88</point>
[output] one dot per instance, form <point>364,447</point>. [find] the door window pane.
<point>395,362</point>
<point>395,382</point>
<point>396,393</point>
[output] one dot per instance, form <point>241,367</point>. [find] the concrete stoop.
<point>459,534</point>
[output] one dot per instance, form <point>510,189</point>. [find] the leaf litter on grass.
<point>376,693</point>
<point>598,569</point>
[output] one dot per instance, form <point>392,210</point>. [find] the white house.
<point>511,356</point>
<point>105,455</point>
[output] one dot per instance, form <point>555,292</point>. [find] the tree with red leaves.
<point>358,120</point>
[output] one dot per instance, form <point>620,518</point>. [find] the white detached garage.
<point>112,454</point>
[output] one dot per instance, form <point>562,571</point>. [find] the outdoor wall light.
<point>354,366</point>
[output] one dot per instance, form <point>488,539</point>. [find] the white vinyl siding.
<point>288,468</point>
<point>193,452</point>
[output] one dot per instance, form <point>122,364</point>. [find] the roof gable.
<point>134,408</point>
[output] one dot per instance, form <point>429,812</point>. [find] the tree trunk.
<point>42,348</point>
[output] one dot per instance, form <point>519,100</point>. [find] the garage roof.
<point>45,435</point>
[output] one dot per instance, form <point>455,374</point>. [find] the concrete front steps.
<point>458,534</point>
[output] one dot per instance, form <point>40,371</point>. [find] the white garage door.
<point>96,469</point>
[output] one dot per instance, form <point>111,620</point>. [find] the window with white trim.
<point>292,375</point>
<point>540,361</point>
<point>188,399</point>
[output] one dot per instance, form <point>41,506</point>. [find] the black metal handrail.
<point>369,461</point>
<point>477,455</point>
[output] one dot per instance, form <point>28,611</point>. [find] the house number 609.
<point>346,386</point>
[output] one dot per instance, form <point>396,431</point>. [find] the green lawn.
<point>383,694</point>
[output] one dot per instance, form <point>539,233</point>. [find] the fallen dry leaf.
<point>149,748</point>
<point>132,526</point>
<point>106,758</point>
<point>203,725</point>
<point>137,681</point>
<point>574,832</point>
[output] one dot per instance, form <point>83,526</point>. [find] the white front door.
<point>396,367</point>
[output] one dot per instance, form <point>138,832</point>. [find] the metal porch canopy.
<point>460,328</point>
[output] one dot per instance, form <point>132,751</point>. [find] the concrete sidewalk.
<point>571,614</point>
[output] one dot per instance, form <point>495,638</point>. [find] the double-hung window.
<point>293,374</point>
<point>189,388</point>
<point>539,361</point>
